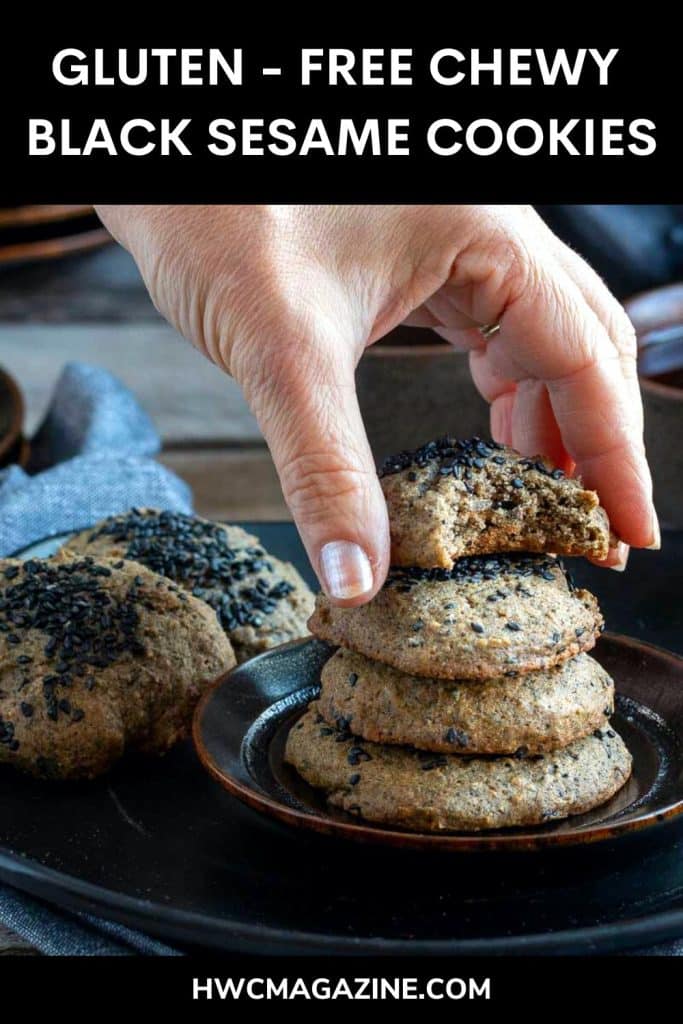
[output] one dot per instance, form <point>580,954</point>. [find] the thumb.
<point>304,397</point>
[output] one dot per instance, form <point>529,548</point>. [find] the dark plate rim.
<point>199,929</point>
<point>531,840</point>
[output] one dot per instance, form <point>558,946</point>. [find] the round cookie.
<point>98,658</point>
<point>260,601</point>
<point>439,792</point>
<point>486,617</point>
<point>453,498</point>
<point>534,713</point>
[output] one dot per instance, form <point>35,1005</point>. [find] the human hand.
<point>287,298</point>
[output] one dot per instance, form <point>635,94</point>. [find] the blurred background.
<point>67,292</point>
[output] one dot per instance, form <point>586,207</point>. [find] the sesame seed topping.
<point>454,456</point>
<point>476,569</point>
<point>239,583</point>
<point>85,624</point>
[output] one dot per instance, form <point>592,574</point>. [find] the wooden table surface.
<point>94,308</point>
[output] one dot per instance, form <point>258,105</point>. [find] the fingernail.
<point>345,569</point>
<point>622,552</point>
<point>657,543</point>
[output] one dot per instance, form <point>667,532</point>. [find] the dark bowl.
<point>11,419</point>
<point>663,404</point>
<point>412,387</point>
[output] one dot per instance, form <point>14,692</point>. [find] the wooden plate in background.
<point>14,216</point>
<point>57,232</point>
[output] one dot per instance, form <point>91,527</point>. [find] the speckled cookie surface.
<point>98,658</point>
<point>453,498</point>
<point>260,601</point>
<point>439,792</point>
<point>537,712</point>
<point>486,617</point>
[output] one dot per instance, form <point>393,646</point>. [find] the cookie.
<point>486,617</point>
<point>537,712</point>
<point>450,499</point>
<point>260,601</point>
<point>440,792</point>
<point>98,658</point>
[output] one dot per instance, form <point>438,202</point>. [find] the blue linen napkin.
<point>90,458</point>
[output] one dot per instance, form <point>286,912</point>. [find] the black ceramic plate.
<point>241,727</point>
<point>160,846</point>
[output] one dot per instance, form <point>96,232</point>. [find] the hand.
<point>286,299</point>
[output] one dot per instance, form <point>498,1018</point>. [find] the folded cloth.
<point>60,933</point>
<point>91,458</point>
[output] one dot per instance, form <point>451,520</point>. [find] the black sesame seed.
<point>517,483</point>
<point>456,736</point>
<point>353,678</point>
<point>449,453</point>
<point>354,779</point>
<point>513,626</point>
<point>474,569</point>
<point>26,709</point>
<point>477,627</point>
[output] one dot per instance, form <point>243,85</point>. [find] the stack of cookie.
<point>461,697</point>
